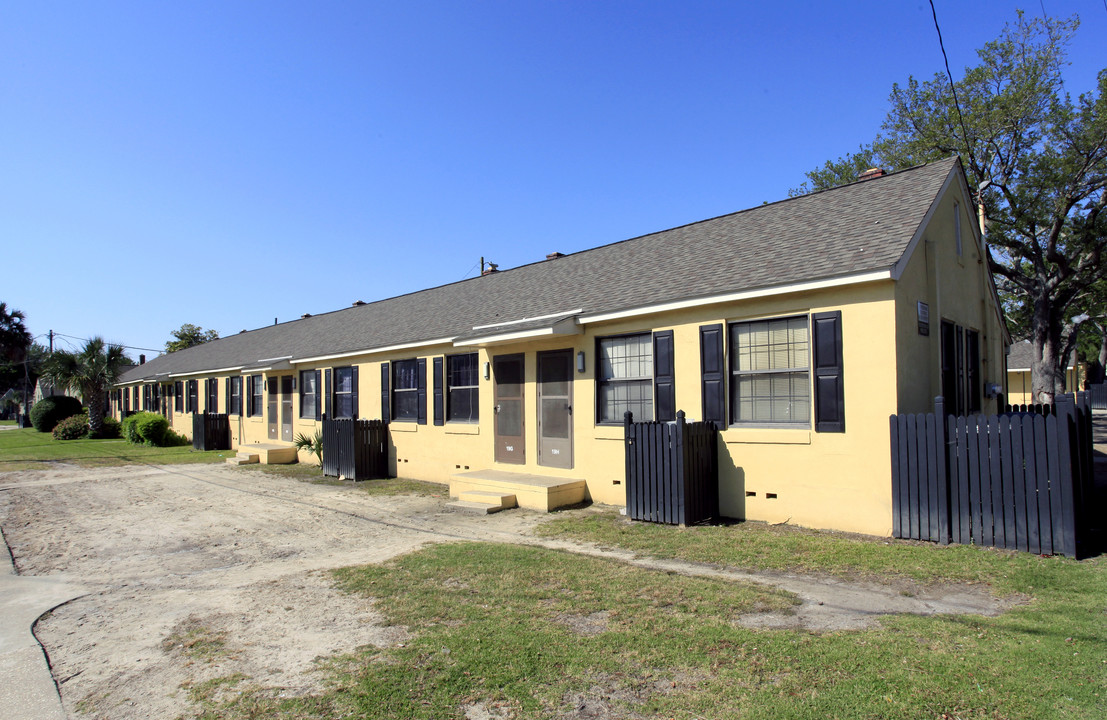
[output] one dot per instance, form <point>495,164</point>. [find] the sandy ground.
<point>176,557</point>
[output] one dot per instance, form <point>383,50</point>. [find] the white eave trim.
<point>736,296</point>
<point>529,319</point>
<point>206,372</point>
<point>568,326</point>
<point>372,351</point>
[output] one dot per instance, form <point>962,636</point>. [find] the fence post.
<point>680,476</point>
<point>1065,412</point>
<point>629,479</point>
<point>942,470</point>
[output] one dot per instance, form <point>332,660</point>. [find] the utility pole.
<point>51,342</point>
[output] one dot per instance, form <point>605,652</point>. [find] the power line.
<point>953,87</point>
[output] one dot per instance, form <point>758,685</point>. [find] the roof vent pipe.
<point>305,316</point>
<point>141,359</point>
<point>358,303</point>
<point>492,268</point>
<point>872,173</point>
<point>555,255</point>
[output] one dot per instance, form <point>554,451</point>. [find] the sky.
<point>229,163</point>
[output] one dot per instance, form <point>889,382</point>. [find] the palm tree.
<point>90,372</point>
<point>14,342</point>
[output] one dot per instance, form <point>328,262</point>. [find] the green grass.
<point>390,486</point>
<point>543,634</point>
<point>7,422</point>
<point>28,449</point>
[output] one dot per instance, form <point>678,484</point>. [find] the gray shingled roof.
<point>1023,352</point>
<point>862,227</point>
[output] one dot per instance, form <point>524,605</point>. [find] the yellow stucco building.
<point>1019,389</point>
<point>798,326</point>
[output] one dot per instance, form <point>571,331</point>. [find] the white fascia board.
<point>568,326</point>
<point>736,296</point>
<point>529,319</point>
<point>206,372</point>
<point>372,351</point>
<point>275,359</point>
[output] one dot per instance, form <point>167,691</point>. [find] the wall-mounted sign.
<point>924,319</point>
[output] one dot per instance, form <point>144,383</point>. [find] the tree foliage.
<point>91,371</point>
<point>1037,162</point>
<point>189,335</point>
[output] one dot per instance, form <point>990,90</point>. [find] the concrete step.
<point>500,500</point>
<point>243,458</point>
<point>533,492</point>
<point>473,508</point>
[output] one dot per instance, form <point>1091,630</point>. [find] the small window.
<point>309,394</point>
<point>257,396</point>
<point>462,390</point>
<point>625,378</point>
<point>770,376</point>
<point>344,393</point>
<point>234,404</point>
<point>405,390</point>
<point>178,396</point>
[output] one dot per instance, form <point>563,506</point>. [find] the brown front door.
<point>507,371</point>
<point>274,403</point>
<point>286,408</point>
<point>555,409</point>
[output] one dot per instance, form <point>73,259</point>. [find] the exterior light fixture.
<point>487,370</point>
<point>580,361</point>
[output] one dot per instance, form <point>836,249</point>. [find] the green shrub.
<point>109,428</point>
<point>146,428</point>
<point>50,411</point>
<point>175,439</point>
<point>73,427</point>
<point>151,428</point>
<point>128,431</point>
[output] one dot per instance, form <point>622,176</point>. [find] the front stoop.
<point>533,492</point>
<point>266,454</point>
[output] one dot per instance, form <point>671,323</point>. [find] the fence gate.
<point>1098,395</point>
<point>211,431</point>
<point>355,449</point>
<point>1022,481</point>
<point>671,471</point>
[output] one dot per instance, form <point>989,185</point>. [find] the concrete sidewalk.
<point>27,689</point>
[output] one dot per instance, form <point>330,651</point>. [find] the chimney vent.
<point>358,303</point>
<point>872,173</point>
<point>141,359</point>
<point>305,316</point>
<point>492,268</point>
<point>555,255</point>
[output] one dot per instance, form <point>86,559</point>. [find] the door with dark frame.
<point>508,383</point>
<point>555,409</point>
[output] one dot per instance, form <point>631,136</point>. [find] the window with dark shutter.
<point>318,397</point>
<point>624,377</point>
<point>462,388</point>
<point>712,374</point>
<point>345,392</point>
<point>405,390</point>
<point>770,379</point>
<point>664,388</point>
<point>439,394</point>
<point>830,411</point>
<point>309,394</point>
<point>328,392</point>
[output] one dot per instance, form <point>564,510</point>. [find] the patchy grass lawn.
<point>389,486</point>
<point>7,422</point>
<point>28,449</point>
<point>520,632</point>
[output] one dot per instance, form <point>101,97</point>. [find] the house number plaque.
<point>924,318</point>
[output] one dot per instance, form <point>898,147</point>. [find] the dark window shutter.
<point>421,364</point>
<point>712,374</point>
<point>439,393</point>
<point>328,392</point>
<point>385,404</point>
<point>318,394</point>
<point>353,394</point>
<point>227,394</point>
<point>664,389</point>
<point>830,408</point>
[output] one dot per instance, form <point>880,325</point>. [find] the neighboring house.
<point>1019,391</point>
<point>799,326</point>
<point>44,389</point>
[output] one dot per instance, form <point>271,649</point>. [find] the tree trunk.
<point>95,402</point>
<point>1047,369</point>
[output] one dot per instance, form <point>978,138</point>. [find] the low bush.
<point>110,429</point>
<point>146,428</point>
<point>50,411</point>
<point>175,439</point>
<point>73,427</point>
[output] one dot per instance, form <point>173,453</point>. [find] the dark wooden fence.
<point>672,471</point>
<point>355,449</point>
<point>1036,408</point>
<point>1022,481</point>
<point>211,431</point>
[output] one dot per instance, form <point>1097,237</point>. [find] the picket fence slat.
<point>671,471</point>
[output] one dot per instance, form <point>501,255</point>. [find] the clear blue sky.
<point>224,163</point>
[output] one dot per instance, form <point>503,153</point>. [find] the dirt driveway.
<point>170,554</point>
